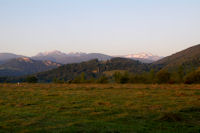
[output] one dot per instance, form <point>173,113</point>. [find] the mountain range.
<point>67,66</point>
<point>18,65</point>
<point>77,57</point>
<point>188,60</point>
<point>63,58</point>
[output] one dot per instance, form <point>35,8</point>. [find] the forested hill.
<point>92,69</point>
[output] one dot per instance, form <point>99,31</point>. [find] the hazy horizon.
<point>108,27</point>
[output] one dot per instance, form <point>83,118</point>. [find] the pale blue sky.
<point>114,27</point>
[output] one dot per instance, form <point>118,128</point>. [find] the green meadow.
<point>99,108</point>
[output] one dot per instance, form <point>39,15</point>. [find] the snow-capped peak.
<point>143,55</point>
<point>75,53</point>
<point>55,52</point>
<point>139,55</point>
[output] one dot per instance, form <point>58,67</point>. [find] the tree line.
<point>152,77</point>
<point>160,77</point>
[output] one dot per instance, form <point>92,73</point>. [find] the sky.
<point>114,27</point>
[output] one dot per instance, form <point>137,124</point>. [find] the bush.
<point>80,79</point>
<point>103,79</point>
<point>163,76</point>
<point>151,76</point>
<point>56,80</point>
<point>121,78</point>
<point>76,80</point>
<point>138,79</point>
<point>117,76</point>
<point>31,79</point>
<point>180,74</point>
<point>193,77</point>
<point>3,79</point>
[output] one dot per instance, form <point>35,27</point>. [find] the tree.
<point>103,79</point>
<point>180,74</point>
<point>117,77</point>
<point>124,78</point>
<point>138,79</point>
<point>121,78</point>
<point>56,80</point>
<point>80,78</point>
<point>163,76</point>
<point>31,79</point>
<point>152,75</point>
<point>76,80</point>
<point>193,77</point>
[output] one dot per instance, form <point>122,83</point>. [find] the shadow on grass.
<point>190,109</point>
<point>171,117</point>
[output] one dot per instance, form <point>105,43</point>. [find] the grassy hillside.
<point>189,59</point>
<point>40,108</point>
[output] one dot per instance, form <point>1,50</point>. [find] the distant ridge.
<point>64,58</point>
<point>24,66</point>
<point>77,57</point>
<point>8,56</point>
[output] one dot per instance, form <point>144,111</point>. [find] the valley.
<point>99,66</point>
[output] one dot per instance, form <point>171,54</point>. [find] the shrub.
<point>56,80</point>
<point>31,79</point>
<point>193,77</point>
<point>117,77</point>
<point>138,79</point>
<point>163,76</point>
<point>103,79</point>
<point>180,74</point>
<point>121,78</point>
<point>80,79</point>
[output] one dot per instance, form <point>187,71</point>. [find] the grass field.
<point>98,108</point>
